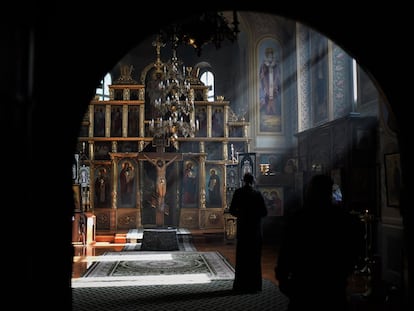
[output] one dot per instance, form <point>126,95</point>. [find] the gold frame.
<point>269,124</point>
<point>220,171</point>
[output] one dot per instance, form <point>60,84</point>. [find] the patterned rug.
<point>146,268</point>
<point>215,295</point>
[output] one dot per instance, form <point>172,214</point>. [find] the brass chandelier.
<point>175,104</point>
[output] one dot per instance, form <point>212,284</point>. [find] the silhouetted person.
<point>319,251</point>
<point>249,207</point>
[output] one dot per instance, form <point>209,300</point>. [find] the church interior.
<point>157,131</point>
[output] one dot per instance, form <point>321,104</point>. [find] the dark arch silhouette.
<point>54,45</point>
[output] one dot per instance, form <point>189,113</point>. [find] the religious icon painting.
<point>214,150</point>
<point>102,186</point>
<point>101,150</point>
<point>127,183</point>
<point>273,197</point>
<point>133,121</point>
<point>214,185</point>
<point>99,121</point>
<point>247,164</point>
<point>217,122</point>
<point>269,85</point>
<point>232,179</point>
<point>116,121</point>
<point>190,183</point>
<point>201,120</point>
<point>319,77</point>
<point>84,176</point>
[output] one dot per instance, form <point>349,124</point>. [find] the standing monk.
<point>249,207</point>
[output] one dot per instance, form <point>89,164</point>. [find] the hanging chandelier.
<point>175,116</point>
<point>209,27</point>
<point>175,104</point>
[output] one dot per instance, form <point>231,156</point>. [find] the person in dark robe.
<point>318,252</point>
<point>249,207</point>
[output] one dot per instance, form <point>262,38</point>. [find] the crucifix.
<point>158,63</point>
<point>161,161</point>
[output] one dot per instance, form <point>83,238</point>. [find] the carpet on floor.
<point>215,295</point>
<point>146,268</point>
<point>183,239</point>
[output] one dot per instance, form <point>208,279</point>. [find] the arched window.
<point>103,90</point>
<point>207,77</point>
<point>354,84</point>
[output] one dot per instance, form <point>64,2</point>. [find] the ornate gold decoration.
<point>175,105</point>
